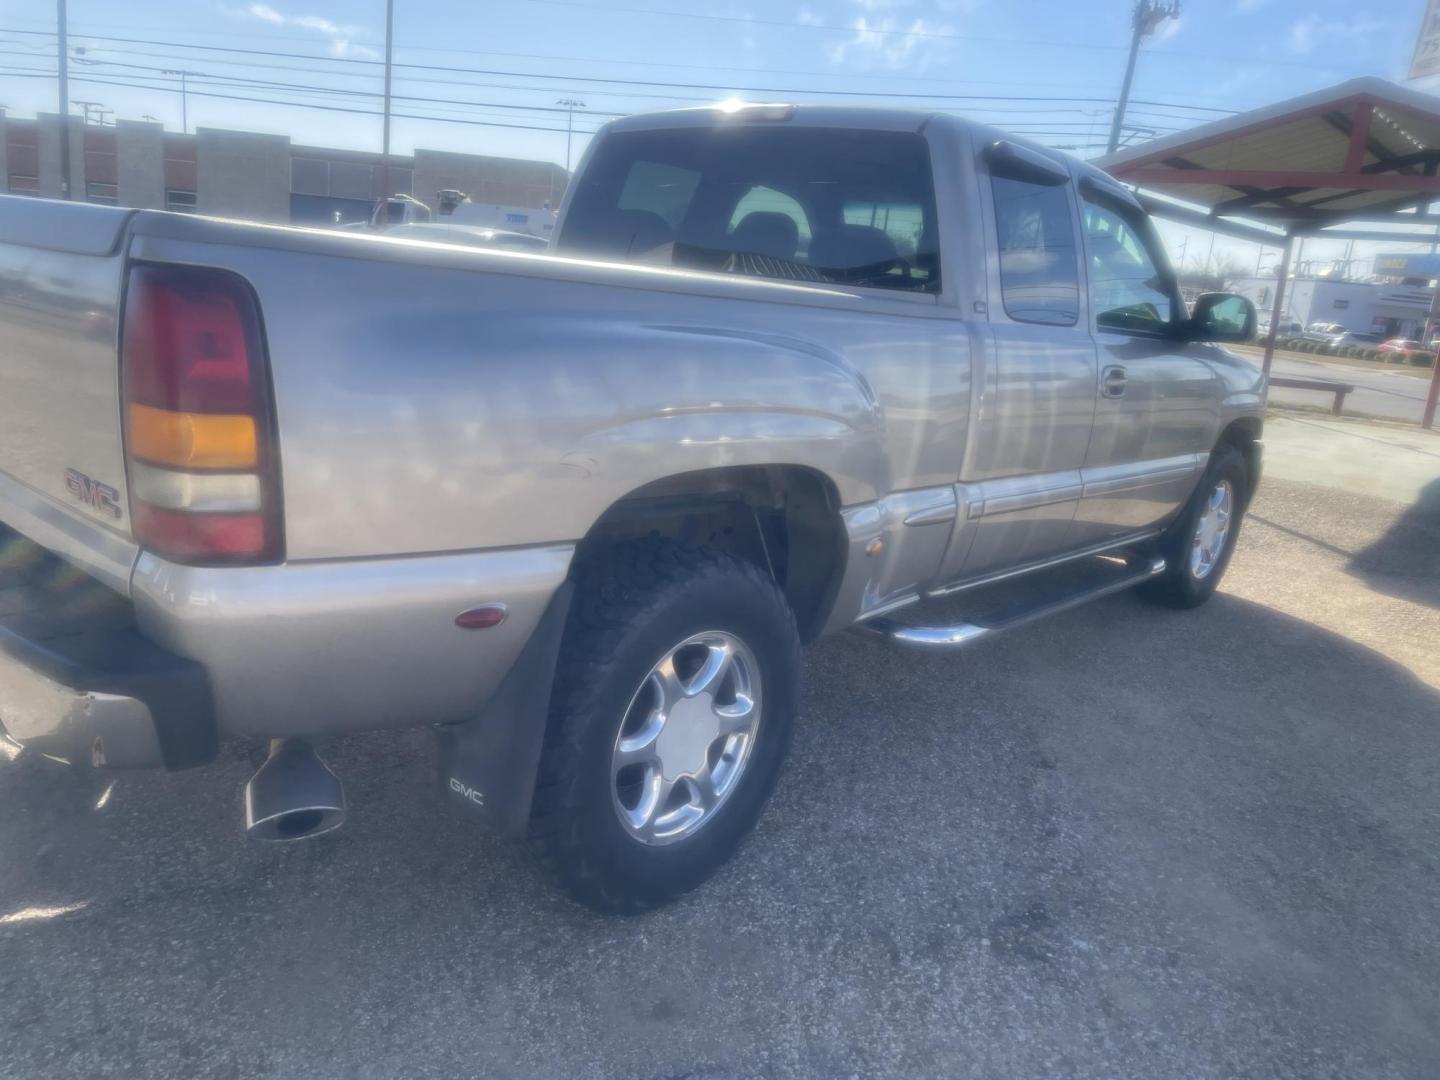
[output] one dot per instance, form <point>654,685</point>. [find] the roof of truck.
<point>778,112</point>
<point>838,116</point>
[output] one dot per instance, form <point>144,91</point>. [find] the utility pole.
<point>1148,15</point>
<point>64,101</point>
<point>93,109</point>
<point>571,105</point>
<point>184,105</point>
<point>385,129</point>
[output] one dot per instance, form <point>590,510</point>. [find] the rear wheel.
<point>673,704</point>
<point>1198,545</point>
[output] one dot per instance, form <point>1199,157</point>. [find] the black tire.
<point>633,602</point>
<point>1178,587</point>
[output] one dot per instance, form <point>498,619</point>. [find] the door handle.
<point>1112,382</point>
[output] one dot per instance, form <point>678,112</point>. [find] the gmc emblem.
<point>99,497</point>
<point>467,792</point>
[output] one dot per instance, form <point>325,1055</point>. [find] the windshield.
<point>851,207</point>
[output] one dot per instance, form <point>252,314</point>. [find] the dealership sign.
<point>1407,265</point>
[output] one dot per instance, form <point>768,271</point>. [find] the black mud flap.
<point>488,764</point>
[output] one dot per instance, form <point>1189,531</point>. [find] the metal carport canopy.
<point>1365,151</point>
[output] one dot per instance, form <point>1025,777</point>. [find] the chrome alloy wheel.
<point>1211,531</point>
<point>686,737</point>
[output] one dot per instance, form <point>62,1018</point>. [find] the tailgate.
<point>61,269</point>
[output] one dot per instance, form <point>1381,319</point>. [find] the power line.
<point>1049,111</point>
<point>32,74</point>
<point>270,84</point>
<point>432,80</point>
<point>18,74</point>
<point>724,87</point>
<point>166,79</point>
<point>1028,43</point>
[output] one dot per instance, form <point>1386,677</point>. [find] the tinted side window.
<point>903,223</point>
<point>852,207</point>
<point>657,188</point>
<point>1128,290</point>
<point>1039,276</point>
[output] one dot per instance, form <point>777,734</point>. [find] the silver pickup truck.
<point>787,371</point>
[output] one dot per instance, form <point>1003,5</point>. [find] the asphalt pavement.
<point>1124,842</point>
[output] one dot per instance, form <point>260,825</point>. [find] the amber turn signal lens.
<point>192,440</point>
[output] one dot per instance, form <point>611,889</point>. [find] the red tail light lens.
<point>189,344</point>
<point>199,433</point>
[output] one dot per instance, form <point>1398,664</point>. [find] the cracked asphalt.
<point>1125,842</point>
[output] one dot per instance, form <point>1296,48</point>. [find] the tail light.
<point>199,431</point>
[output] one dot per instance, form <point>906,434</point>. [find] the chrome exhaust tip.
<point>293,796</point>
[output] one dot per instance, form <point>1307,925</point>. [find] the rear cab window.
<point>841,206</point>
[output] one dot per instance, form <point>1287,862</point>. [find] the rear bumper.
<point>295,650</point>
<point>78,681</point>
<point>116,701</point>
<point>322,648</point>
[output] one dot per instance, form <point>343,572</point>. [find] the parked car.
<point>795,370</point>
<point>1323,331</point>
<point>1287,328</point>
<point>1363,338</point>
<point>1407,347</point>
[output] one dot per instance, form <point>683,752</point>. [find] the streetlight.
<point>571,104</point>
<point>184,111</point>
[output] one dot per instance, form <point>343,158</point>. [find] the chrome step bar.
<point>967,633</point>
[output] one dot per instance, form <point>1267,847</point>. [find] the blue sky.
<point>519,57</point>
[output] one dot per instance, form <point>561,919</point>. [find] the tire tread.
<point>617,587</point>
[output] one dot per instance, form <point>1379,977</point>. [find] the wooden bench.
<point>1336,388</point>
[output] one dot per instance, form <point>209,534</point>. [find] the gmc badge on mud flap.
<point>100,497</point>
<point>465,792</point>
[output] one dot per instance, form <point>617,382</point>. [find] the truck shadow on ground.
<point>1215,824</point>
<point>1403,562</point>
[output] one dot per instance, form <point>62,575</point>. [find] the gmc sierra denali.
<point>786,371</point>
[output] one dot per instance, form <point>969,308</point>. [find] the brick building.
<point>240,174</point>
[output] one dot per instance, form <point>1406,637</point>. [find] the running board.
<point>967,633</point>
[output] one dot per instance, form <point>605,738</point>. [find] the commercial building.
<point>242,174</point>
<point>1393,310</point>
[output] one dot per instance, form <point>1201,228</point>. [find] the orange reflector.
<point>192,440</point>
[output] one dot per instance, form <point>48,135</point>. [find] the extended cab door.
<point>1022,476</point>
<point>1156,401</point>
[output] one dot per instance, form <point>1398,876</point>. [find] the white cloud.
<point>265,13</point>
<point>346,47</point>
<point>1303,34</point>
<point>883,35</point>
<point>342,35</point>
<point>893,33</point>
<point>1306,33</point>
<point>1169,28</point>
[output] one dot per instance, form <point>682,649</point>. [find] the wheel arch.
<point>1244,434</point>
<point>785,518</point>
